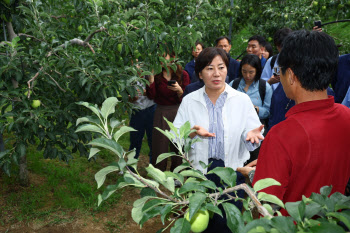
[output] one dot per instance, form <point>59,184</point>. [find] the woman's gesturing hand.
<point>254,136</point>
<point>201,132</point>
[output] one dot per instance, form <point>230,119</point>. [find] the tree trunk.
<point>23,171</point>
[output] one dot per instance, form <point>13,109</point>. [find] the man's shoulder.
<point>234,61</point>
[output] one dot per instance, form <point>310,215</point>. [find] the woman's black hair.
<point>268,48</point>
<point>207,56</point>
<point>254,61</point>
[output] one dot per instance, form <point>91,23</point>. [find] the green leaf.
<point>326,190</point>
<point>109,145</point>
<point>326,227</point>
<point>214,209</point>
<point>185,128</point>
<point>262,222</point>
<point>208,184</point>
<point>108,192</point>
<point>234,217</point>
<point>91,107</point>
<point>264,183</point>
<point>164,212</point>
<point>144,73</point>
<point>181,167</point>
<point>283,224</point>
<point>21,149</point>
<point>270,198</point>
<point>93,151</point>
<point>136,212</point>
<point>148,192</point>
<point>163,156</point>
<point>90,128</point>
<point>193,173</point>
<point>150,214</point>
<point>293,210</point>
<point>181,225</point>
<point>228,175</point>
<point>159,176</point>
<point>3,153</point>
<point>341,216</point>
<point>100,176</point>
<point>196,201</point>
<point>188,187</point>
<point>312,209</point>
<point>108,106</point>
<point>121,131</point>
<point>90,119</point>
<point>172,127</point>
<point>151,204</point>
<point>157,1</point>
<point>177,176</point>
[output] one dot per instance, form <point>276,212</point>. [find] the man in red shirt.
<point>310,148</point>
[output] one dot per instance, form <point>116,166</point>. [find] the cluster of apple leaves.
<point>160,197</point>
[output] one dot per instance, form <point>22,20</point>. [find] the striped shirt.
<point>216,125</point>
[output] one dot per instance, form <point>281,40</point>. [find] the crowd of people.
<point>280,103</point>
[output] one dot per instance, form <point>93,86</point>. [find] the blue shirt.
<point>268,72</point>
<point>253,93</point>
<point>233,69</point>
<point>341,82</point>
<point>263,61</point>
<point>346,100</point>
<point>216,125</point>
<point>190,69</point>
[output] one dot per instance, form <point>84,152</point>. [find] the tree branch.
<point>58,17</point>
<point>26,35</point>
<point>56,82</point>
<point>150,186</point>
<point>10,30</point>
<point>79,42</point>
<point>32,80</point>
<point>92,34</point>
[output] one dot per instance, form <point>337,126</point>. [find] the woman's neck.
<point>247,85</point>
<point>214,94</point>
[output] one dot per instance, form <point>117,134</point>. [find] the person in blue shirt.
<point>249,83</point>
<point>341,81</point>
<point>346,100</point>
<point>256,46</point>
<point>190,66</point>
<point>250,72</point>
<point>225,43</point>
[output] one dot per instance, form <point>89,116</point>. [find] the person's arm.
<point>200,131</point>
<point>267,72</point>
<point>151,90</point>
<point>264,110</point>
<point>247,168</point>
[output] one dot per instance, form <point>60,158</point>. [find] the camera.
<point>318,23</point>
<point>171,82</point>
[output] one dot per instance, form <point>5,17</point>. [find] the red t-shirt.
<point>162,95</point>
<point>308,150</point>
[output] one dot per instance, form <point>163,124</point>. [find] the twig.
<point>150,186</point>
<point>92,34</point>
<point>56,82</point>
<point>32,80</point>
<point>79,42</point>
<point>58,17</point>
<point>129,24</point>
<point>29,36</point>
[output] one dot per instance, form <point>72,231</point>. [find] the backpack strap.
<point>273,60</point>
<point>235,83</point>
<point>262,89</point>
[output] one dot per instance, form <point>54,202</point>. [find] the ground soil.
<point>117,219</point>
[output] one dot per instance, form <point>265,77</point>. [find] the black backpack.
<point>273,59</point>
<point>262,87</point>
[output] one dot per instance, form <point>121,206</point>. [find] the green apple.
<point>26,93</point>
<point>199,222</point>
<point>36,103</point>
<point>286,16</point>
<point>119,47</point>
<point>324,7</point>
<point>314,3</point>
<point>80,28</point>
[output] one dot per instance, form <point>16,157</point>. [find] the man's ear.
<point>291,76</point>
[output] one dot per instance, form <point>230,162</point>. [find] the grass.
<point>57,187</point>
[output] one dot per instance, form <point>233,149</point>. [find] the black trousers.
<point>217,223</point>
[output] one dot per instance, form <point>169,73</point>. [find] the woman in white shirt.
<point>224,118</point>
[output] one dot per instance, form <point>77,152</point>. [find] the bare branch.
<point>150,186</point>
<point>29,36</point>
<point>129,24</point>
<point>92,34</point>
<point>32,80</point>
<point>58,17</point>
<point>78,42</point>
<point>56,82</point>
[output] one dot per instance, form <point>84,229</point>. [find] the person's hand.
<point>247,168</point>
<point>316,28</point>
<point>175,87</point>
<point>201,132</point>
<point>274,79</point>
<point>254,136</point>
